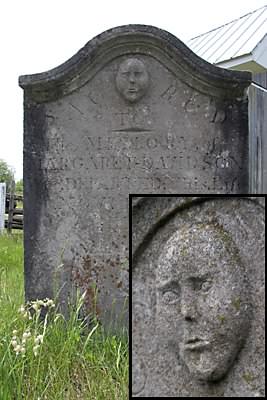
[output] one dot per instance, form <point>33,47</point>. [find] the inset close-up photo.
<point>198,272</point>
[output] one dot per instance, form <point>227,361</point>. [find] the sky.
<point>36,36</point>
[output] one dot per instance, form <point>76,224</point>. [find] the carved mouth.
<point>193,340</point>
<point>195,343</point>
<point>132,90</point>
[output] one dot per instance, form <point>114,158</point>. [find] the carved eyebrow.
<point>169,284</point>
<point>174,283</point>
<point>199,277</point>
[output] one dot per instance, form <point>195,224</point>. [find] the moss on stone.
<point>236,303</point>
<point>248,377</point>
<point>221,318</point>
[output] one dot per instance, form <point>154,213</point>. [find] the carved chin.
<point>207,367</point>
<point>132,97</point>
<point>208,375</point>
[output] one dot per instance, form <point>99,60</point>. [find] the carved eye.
<point>202,284</point>
<point>170,297</point>
<point>205,286</point>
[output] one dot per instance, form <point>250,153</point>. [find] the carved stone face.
<point>132,79</point>
<point>203,294</point>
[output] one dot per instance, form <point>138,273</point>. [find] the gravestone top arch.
<point>135,39</point>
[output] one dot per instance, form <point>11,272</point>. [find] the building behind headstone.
<point>241,45</point>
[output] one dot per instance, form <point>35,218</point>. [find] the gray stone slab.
<point>133,111</point>
<point>198,296</point>
<point>2,206</point>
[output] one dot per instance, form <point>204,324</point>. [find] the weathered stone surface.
<point>133,111</point>
<point>198,296</point>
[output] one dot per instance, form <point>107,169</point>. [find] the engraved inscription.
<point>170,93</point>
<point>133,119</point>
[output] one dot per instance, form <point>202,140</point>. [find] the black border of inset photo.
<point>142,196</point>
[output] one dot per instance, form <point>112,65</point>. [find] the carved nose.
<point>189,312</point>
<point>188,306</point>
<point>132,78</point>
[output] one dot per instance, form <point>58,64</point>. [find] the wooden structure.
<point>15,215</point>
<point>258,134</point>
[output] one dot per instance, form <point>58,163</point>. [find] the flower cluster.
<point>27,341</point>
<point>31,338</point>
<point>35,305</point>
<point>25,312</point>
<point>37,342</point>
<point>18,345</point>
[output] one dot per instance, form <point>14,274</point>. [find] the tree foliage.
<point>6,173</point>
<point>19,187</point>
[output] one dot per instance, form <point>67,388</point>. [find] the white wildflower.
<point>25,315</point>
<point>39,339</point>
<point>22,309</point>
<point>35,349</point>
<point>18,349</point>
<point>50,303</point>
<point>35,306</point>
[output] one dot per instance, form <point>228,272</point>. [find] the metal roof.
<point>234,39</point>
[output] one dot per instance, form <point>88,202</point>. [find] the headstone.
<point>198,297</point>
<point>133,111</point>
<point>2,206</point>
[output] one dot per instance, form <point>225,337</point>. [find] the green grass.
<point>56,358</point>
